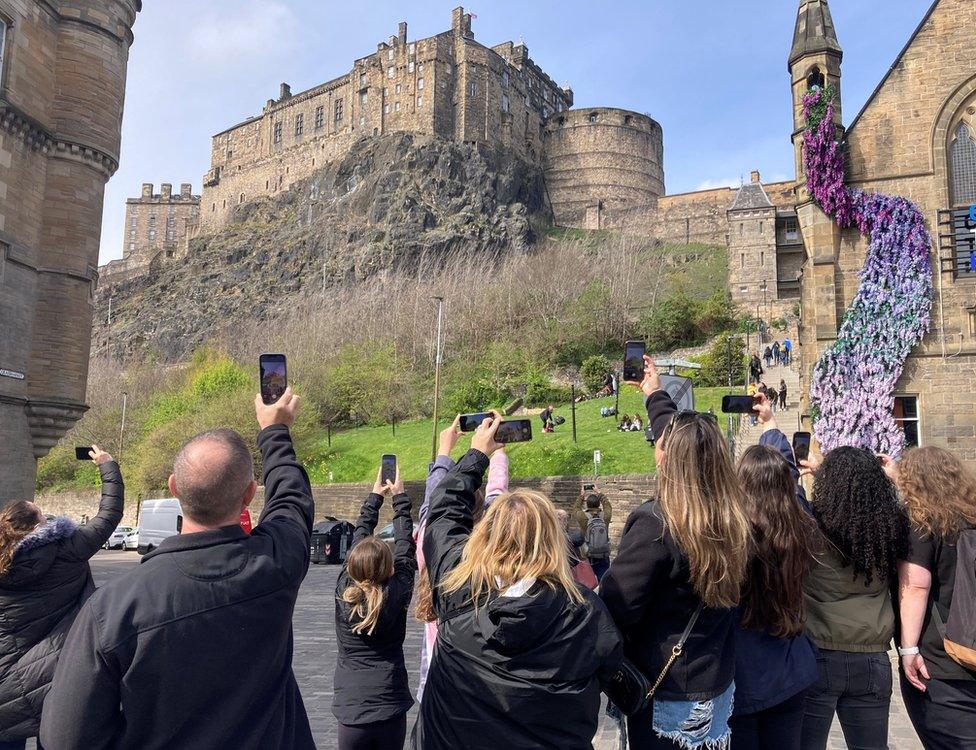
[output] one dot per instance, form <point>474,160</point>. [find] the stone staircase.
<point>788,419</point>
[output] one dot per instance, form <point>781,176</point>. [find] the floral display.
<point>851,393</point>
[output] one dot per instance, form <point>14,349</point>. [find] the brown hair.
<point>939,492</point>
<point>17,520</point>
<point>370,565</point>
<point>702,502</point>
<point>783,544</point>
<point>519,537</point>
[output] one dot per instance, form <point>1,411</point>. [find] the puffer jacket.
<point>48,581</point>
<point>529,653</point>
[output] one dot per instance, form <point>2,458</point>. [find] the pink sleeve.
<point>497,476</point>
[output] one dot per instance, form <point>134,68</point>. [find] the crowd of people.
<point>737,612</point>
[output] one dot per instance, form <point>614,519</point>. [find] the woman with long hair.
<point>371,694</point>
<point>44,580</point>
<point>939,494</point>
<point>679,573</point>
<point>520,646</point>
<point>775,662</point>
<point>847,595</point>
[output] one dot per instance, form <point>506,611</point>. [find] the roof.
<point>751,196</point>
<point>814,31</point>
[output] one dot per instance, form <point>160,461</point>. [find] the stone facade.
<point>447,85</point>
<point>62,86</point>
<point>915,137</point>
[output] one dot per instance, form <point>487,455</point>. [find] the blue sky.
<point>712,72</point>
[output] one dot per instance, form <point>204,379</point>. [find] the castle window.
<point>277,132</point>
<point>420,84</point>
<point>152,235</point>
<point>242,198</point>
<point>267,184</point>
<point>546,112</point>
<point>413,48</point>
<point>906,416</point>
<point>170,235</point>
<point>762,258</point>
<point>593,117</point>
<point>134,221</point>
<point>627,119</point>
<point>171,221</point>
<point>390,72</point>
<point>410,67</point>
<point>338,110</point>
<point>962,167</point>
<point>398,88</point>
<point>760,227</point>
<point>449,69</point>
<point>362,119</point>
<point>362,79</point>
<point>420,101</point>
<point>504,102</point>
<point>152,221</point>
<point>132,246</point>
<point>505,79</point>
<point>545,95</point>
<point>364,98</point>
<point>473,88</point>
<point>132,234</point>
<point>213,209</point>
<point>4,28</point>
<point>230,154</point>
<point>299,124</point>
<point>742,264</point>
<point>816,79</point>
<point>389,55</point>
<point>319,117</point>
<point>420,68</point>
<point>386,109</point>
<point>396,107</point>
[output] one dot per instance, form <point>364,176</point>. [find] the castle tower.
<point>815,59</point>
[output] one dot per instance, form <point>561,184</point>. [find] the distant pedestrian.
<point>768,356</point>
<point>776,352</point>
<point>755,368</point>
<point>782,394</point>
<point>787,351</point>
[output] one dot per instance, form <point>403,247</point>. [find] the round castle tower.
<point>601,158</point>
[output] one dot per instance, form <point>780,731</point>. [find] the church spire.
<point>814,31</point>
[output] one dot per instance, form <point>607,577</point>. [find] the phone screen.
<point>470,422</point>
<point>274,377</point>
<point>737,404</point>
<point>82,451</point>
<point>516,431</point>
<point>801,445</point>
<point>634,361</point>
<point>389,468</point>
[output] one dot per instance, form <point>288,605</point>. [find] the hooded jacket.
<point>522,670</point>
<point>370,675</point>
<point>48,581</point>
<point>193,647</point>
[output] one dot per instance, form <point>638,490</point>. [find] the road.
<point>315,647</point>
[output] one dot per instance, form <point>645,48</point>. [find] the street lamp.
<point>437,372</point>
<point>759,338</point>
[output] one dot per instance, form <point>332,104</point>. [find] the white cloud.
<point>255,32</point>
<point>731,182</point>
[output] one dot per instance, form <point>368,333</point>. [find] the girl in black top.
<point>371,695</point>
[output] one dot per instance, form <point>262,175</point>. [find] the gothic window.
<point>815,79</point>
<point>319,117</point>
<point>338,110</point>
<point>962,167</point>
<point>299,124</point>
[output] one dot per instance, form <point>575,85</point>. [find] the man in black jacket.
<point>193,648</point>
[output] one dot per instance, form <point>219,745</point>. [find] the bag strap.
<point>679,647</point>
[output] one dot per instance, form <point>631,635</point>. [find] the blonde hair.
<point>938,491</point>
<point>370,565</point>
<point>704,509</point>
<point>519,537</point>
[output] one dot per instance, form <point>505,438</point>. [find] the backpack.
<point>597,539</point>
<point>959,631</point>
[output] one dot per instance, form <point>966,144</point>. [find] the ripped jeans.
<point>686,725</point>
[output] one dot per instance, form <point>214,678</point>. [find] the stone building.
<point>157,227</point>
<point>447,85</point>
<point>914,137</point>
<point>62,86</point>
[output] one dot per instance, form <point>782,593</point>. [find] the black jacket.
<point>521,672</point>
<point>370,675</point>
<point>649,594</point>
<point>193,648</point>
<point>48,581</point>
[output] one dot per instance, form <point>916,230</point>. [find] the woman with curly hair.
<point>939,494</point>
<point>847,596</point>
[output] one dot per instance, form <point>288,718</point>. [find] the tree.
<point>726,356</point>
<point>593,370</point>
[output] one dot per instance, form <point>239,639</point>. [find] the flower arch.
<point>852,389</point>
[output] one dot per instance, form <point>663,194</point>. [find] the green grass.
<point>354,455</point>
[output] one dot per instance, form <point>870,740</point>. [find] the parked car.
<point>131,541</point>
<point>117,540</point>
<point>158,520</point>
<point>386,535</point>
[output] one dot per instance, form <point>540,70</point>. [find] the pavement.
<point>315,647</point>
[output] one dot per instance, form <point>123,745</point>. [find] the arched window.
<point>815,79</point>
<point>962,167</point>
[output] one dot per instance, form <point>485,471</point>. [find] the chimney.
<point>147,190</point>
<point>186,190</point>
<point>166,191</point>
<point>402,32</point>
<point>755,177</point>
<point>284,92</point>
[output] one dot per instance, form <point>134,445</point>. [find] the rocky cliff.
<point>392,203</point>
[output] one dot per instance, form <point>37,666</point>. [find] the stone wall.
<point>344,500</point>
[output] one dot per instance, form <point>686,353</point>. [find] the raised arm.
<point>369,516</point>
<point>404,547</point>
<point>442,464</point>
<point>497,476</point>
<point>88,539</point>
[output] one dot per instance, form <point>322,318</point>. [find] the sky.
<point>712,72</point>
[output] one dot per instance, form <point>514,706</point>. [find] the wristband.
<point>908,651</point>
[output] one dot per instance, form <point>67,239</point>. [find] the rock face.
<point>393,203</point>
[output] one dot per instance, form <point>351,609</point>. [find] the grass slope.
<point>354,455</point>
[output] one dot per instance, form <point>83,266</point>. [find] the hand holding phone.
<point>273,371</point>
<point>634,362</point>
<point>388,469</point>
<point>92,453</point>
<point>738,404</point>
<point>485,437</point>
<point>514,431</point>
<point>801,446</point>
<point>470,422</point>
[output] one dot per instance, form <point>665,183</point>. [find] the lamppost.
<point>437,372</point>
<point>125,398</point>
<point>759,334</point>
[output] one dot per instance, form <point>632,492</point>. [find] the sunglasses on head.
<point>680,418</point>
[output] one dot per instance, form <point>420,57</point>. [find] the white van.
<point>158,520</point>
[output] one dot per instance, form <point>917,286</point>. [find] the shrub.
<point>728,352</point>
<point>593,370</point>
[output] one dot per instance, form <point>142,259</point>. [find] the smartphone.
<point>738,404</point>
<point>389,469</point>
<point>516,431</point>
<point>634,361</point>
<point>82,451</point>
<point>470,422</point>
<point>801,446</point>
<point>274,376</point>
<point>588,487</point>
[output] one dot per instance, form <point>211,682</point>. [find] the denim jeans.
<point>776,728</point>
<point>858,688</point>
<point>944,716</point>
